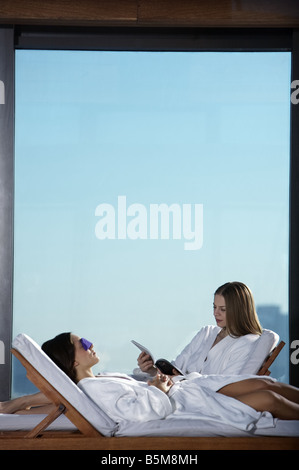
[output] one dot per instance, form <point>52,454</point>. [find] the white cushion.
<point>260,351</point>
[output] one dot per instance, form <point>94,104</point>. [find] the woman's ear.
<point>76,364</point>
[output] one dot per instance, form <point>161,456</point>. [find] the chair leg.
<point>45,422</point>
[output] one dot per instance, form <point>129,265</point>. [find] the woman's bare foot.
<point>10,407</point>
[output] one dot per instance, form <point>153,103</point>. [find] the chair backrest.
<point>264,370</point>
<point>61,383</point>
<point>261,349</point>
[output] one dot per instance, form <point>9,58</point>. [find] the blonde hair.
<point>241,316</point>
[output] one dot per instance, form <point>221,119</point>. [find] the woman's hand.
<point>146,363</point>
<point>161,381</point>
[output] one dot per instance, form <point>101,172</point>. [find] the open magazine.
<point>163,365</point>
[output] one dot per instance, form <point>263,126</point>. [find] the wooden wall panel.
<point>201,13</point>
<point>69,12</point>
<point>221,13</point>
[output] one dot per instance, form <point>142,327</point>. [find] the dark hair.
<point>62,351</point>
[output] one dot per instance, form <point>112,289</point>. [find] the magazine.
<point>163,365</point>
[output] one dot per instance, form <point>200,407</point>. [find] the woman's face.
<point>86,358</point>
<point>219,310</point>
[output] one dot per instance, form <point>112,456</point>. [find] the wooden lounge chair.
<point>62,405</point>
<point>89,437</point>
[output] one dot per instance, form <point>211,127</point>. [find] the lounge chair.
<point>93,429</point>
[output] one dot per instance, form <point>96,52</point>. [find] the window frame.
<point>140,39</point>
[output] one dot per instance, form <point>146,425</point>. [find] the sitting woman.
<point>236,400</point>
<point>223,348</point>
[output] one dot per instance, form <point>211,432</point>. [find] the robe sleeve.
<point>122,400</point>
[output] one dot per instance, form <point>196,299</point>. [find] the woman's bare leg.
<point>266,400</point>
<point>255,384</point>
<point>26,404</point>
<point>281,400</point>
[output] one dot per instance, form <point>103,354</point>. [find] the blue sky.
<point>184,128</point>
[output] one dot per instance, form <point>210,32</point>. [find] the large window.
<point>143,181</point>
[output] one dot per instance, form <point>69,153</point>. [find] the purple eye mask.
<point>86,344</point>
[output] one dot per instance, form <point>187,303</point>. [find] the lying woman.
<point>237,400</point>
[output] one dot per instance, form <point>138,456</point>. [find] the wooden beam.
<point>69,12</point>
<point>179,13</point>
<point>59,440</point>
<point>221,13</point>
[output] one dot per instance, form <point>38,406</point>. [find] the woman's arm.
<point>24,403</point>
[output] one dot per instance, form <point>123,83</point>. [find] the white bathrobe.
<point>227,357</point>
<point>125,399</point>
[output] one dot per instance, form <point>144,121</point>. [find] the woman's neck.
<point>221,335</point>
<point>84,374</point>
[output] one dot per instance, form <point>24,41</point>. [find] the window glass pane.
<point>102,138</point>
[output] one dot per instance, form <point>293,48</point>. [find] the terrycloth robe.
<point>125,399</point>
<point>227,357</point>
